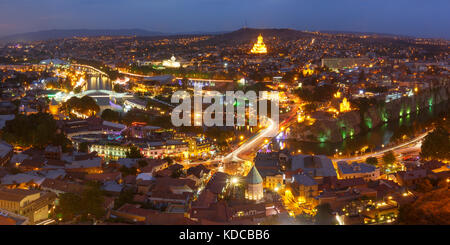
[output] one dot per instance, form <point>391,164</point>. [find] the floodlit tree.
<point>324,215</point>
<point>389,158</point>
<point>36,130</point>
<point>436,145</point>
<point>110,115</point>
<point>83,147</point>
<point>133,153</point>
<point>372,161</point>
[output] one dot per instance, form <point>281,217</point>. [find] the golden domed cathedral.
<point>259,47</point>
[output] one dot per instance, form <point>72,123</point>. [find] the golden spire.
<point>259,47</point>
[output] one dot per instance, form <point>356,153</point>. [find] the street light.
<point>234,180</point>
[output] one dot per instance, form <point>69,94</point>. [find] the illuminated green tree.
<point>436,144</point>
<point>133,153</point>
<point>372,161</point>
<point>389,158</point>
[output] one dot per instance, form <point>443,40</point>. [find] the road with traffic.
<point>409,146</point>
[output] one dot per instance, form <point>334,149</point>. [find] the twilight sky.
<point>424,18</point>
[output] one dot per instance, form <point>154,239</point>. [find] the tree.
<point>436,145</point>
<point>68,206</point>
<point>310,107</point>
<point>36,130</point>
<point>142,163</point>
<point>133,153</point>
<point>429,209</point>
<point>125,196</point>
<point>362,76</point>
<point>318,94</point>
<point>372,161</point>
<point>77,90</point>
<point>424,185</point>
<point>83,147</point>
<point>88,204</point>
<point>89,106</point>
<point>110,115</point>
<point>324,215</point>
<point>442,184</point>
<point>389,158</point>
<point>92,201</point>
<point>177,173</point>
<point>169,160</point>
<point>118,88</point>
<point>86,105</point>
<point>128,171</point>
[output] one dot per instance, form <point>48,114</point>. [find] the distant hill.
<point>250,34</point>
<point>58,34</point>
<point>365,33</point>
<point>241,35</point>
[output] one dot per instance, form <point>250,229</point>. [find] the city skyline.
<point>213,112</point>
<point>420,19</point>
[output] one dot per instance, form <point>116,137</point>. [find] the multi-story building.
<point>317,167</point>
<point>53,152</point>
<point>109,150</point>
<point>199,147</point>
<point>153,150</point>
<point>6,152</point>
<point>304,188</point>
<point>357,170</point>
<point>32,204</point>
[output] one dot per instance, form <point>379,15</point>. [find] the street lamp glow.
<point>234,180</point>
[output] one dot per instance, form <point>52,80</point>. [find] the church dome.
<point>253,177</point>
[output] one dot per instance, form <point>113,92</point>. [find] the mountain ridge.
<point>68,33</point>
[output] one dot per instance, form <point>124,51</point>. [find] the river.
<point>98,82</point>
<point>385,134</point>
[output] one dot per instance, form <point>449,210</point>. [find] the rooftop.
<point>253,177</point>
<point>354,167</point>
<point>313,165</point>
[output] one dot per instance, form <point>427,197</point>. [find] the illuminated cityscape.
<point>355,130</point>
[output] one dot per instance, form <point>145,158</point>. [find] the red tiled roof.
<point>167,181</point>
<point>7,221</point>
<point>136,210</point>
<point>33,163</point>
<point>62,186</point>
<point>103,176</point>
<point>140,198</point>
<point>205,199</point>
<point>54,162</point>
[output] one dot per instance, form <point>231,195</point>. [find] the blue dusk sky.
<point>420,18</point>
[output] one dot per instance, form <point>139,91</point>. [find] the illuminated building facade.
<point>171,63</point>
<point>259,47</point>
<point>54,107</point>
<point>153,150</point>
<point>199,147</point>
<point>32,204</point>
<point>274,182</point>
<point>344,106</point>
